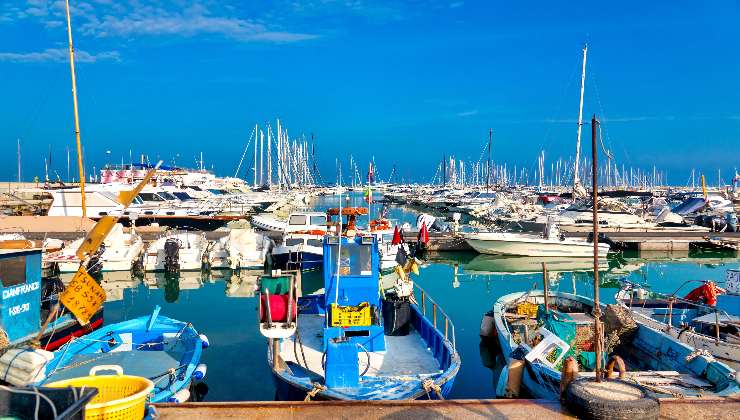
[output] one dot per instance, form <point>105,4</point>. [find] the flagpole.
<point>76,113</point>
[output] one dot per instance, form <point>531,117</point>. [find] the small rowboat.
<point>164,350</point>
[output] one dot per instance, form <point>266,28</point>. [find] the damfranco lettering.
<point>21,290</point>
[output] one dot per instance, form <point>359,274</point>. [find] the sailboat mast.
<point>269,157</point>
<point>488,164</point>
<point>576,181</point>
<point>254,165</point>
<point>76,113</point>
<point>19,160</point>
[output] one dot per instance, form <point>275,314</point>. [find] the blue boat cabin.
<point>20,274</point>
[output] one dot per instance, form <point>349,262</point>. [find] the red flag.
<point>396,236</point>
<point>424,234</point>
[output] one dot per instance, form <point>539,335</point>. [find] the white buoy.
<point>200,372</point>
<point>180,396</point>
<point>205,341</point>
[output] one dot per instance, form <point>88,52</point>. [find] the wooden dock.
<point>424,409</point>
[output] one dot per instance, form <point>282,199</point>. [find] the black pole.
<point>595,194</point>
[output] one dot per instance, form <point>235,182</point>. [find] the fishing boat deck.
<point>404,356</point>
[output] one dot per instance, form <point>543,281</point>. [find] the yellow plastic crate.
<point>120,397</point>
<point>350,316</point>
<point>527,308</point>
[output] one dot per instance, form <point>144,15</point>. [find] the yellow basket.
<point>350,316</point>
<point>528,309</point>
<point>120,397</point>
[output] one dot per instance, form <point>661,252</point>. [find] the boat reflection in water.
<point>113,282</point>
<point>499,264</point>
<point>242,284</point>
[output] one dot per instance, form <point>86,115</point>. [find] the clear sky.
<point>404,81</point>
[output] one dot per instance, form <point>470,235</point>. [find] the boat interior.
<point>162,354</point>
<point>664,365</point>
<point>394,373</point>
<point>685,314</point>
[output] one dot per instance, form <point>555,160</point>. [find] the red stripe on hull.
<point>74,330</point>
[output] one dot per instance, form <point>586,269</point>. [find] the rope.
<point>659,390</point>
<point>317,387</point>
<point>698,352</point>
<point>429,385</point>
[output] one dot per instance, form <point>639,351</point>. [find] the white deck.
<point>404,355</point>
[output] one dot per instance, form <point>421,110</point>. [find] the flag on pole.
<point>396,237</point>
<point>424,234</point>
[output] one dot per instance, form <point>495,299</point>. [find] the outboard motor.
<point>172,255</point>
<point>552,230</point>
<point>603,239</point>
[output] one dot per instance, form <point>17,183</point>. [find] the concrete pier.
<point>421,409</point>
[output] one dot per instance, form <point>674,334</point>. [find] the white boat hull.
<point>523,245</point>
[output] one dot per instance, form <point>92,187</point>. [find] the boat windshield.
<point>298,220</point>
<point>149,197</point>
<point>355,260</point>
<point>318,220</point>
<point>293,241</point>
<point>166,195</point>
<point>183,196</point>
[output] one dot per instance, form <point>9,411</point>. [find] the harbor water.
<point>222,304</point>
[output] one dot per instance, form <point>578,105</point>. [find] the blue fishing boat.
<point>166,351</point>
<point>353,342</point>
<point>707,318</point>
<point>542,338</point>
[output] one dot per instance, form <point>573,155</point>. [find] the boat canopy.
<point>690,206</point>
<point>348,211</point>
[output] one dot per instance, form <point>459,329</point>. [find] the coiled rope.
<point>430,386</point>
<point>317,387</point>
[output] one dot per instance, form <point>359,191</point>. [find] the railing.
<point>449,326</point>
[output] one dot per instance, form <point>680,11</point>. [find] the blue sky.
<point>404,81</point>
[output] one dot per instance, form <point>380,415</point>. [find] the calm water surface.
<point>222,305</point>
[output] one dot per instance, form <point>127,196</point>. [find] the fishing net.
<point>619,326</point>
<point>561,325</point>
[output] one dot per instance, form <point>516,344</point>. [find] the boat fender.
<point>200,372</point>
<point>487,327</point>
<point>614,360</point>
<point>501,384</point>
<point>514,380</point>
<point>180,396</point>
<point>568,374</point>
<point>204,341</point>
